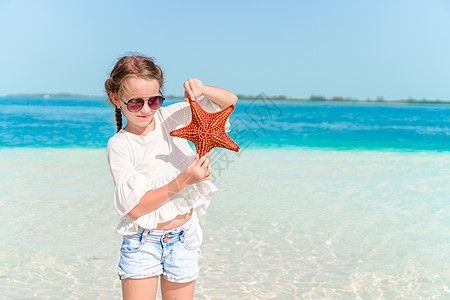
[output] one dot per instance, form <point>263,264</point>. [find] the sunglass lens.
<point>155,102</point>
<point>135,105</point>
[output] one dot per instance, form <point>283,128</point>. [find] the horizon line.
<point>261,96</point>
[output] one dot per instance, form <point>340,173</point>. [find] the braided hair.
<point>118,118</point>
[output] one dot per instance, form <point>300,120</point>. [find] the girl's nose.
<point>146,108</point>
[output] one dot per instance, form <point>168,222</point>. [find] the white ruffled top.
<point>142,163</point>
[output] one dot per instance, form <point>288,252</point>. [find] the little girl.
<point>161,187</point>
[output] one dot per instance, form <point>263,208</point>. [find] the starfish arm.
<point>189,133</point>
<point>200,117</point>
<point>220,118</point>
<point>203,147</point>
<point>222,140</point>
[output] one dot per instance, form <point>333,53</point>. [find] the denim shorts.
<point>171,253</point>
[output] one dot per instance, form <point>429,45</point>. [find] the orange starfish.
<point>207,130</point>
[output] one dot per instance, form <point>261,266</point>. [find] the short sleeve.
<point>129,185</point>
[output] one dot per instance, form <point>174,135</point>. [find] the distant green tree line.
<point>340,99</point>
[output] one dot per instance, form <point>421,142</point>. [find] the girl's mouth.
<point>144,117</point>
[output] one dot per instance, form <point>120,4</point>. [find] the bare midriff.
<point>177,222</point>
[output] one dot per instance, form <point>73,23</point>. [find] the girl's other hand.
<point>192,89</point>
<point>199,170</point>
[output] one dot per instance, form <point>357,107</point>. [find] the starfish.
<point>207,130</point>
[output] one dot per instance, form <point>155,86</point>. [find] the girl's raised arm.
<point>194,88</point>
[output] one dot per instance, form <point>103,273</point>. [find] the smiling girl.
<point>161,187</point>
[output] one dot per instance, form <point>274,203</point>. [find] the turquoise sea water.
<point>324,201</point>
<point>38,122</point>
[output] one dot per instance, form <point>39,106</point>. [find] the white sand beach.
<point>287,223</point>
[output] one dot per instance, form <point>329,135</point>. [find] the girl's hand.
<point>199,170</point>
<point>192,89</point>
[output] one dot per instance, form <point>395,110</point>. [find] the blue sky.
<point>394,49</point>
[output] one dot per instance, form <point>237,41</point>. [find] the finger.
<point>189,91</point>
<point>198,93</point>
<point>198,88</point>
<point>201,160</point>
<point>209,175</point>
<point>195,161</point>
<point>206,163</point>
<point>207,172</point>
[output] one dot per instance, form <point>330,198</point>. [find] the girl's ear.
<point>114,99</point>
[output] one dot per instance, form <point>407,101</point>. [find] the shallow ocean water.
<point>89,123</point>
<point>288,223</point>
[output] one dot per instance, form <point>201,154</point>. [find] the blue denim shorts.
<point>171,253</point>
